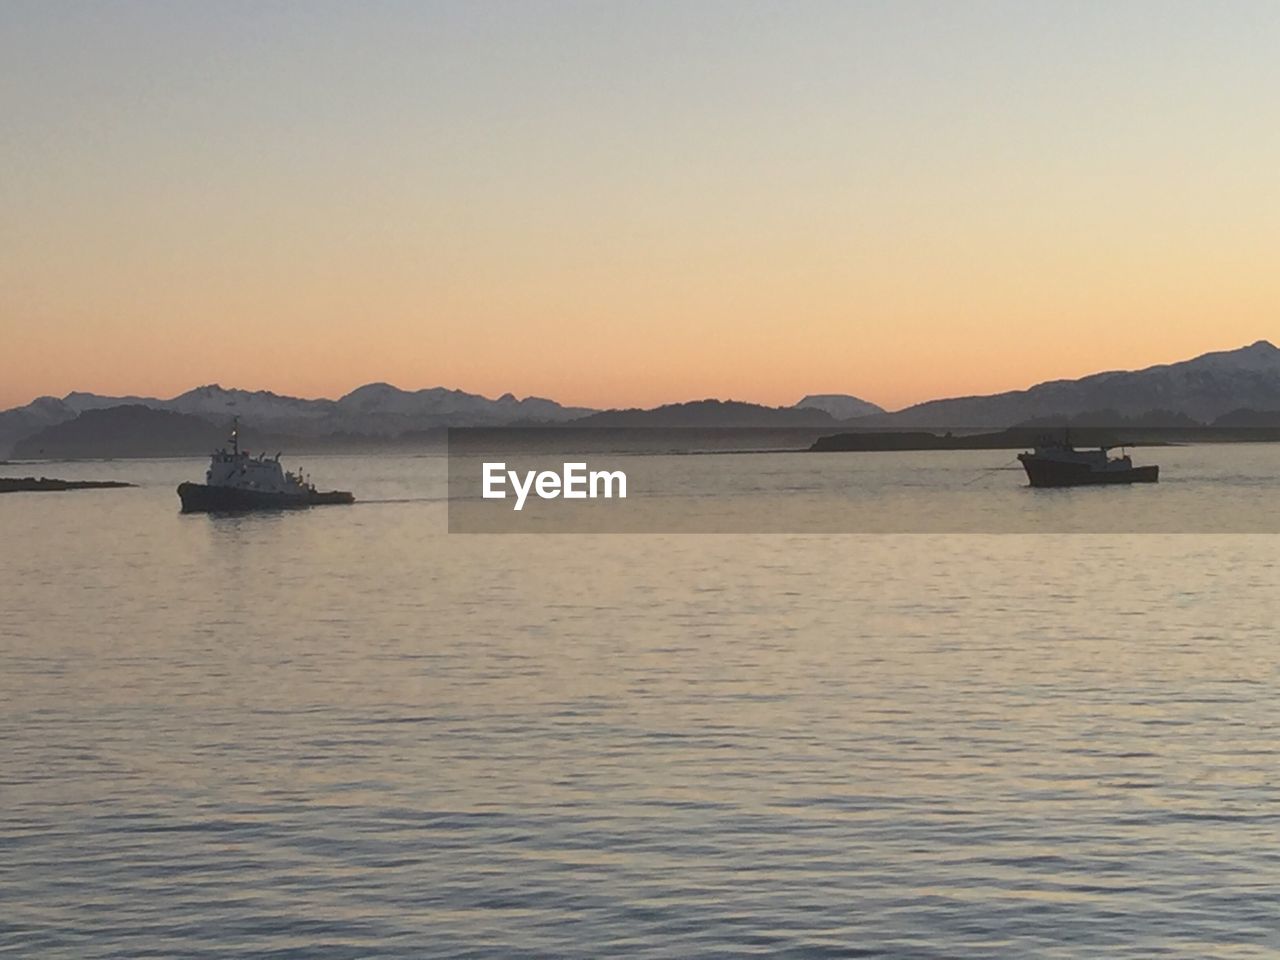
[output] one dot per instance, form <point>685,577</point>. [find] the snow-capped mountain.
<point>382,408</point>
<point>80,402</point>
<point>842,406</point>
<point>250,405</point>
<point>23,421</point>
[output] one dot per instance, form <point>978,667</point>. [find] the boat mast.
<point>235,436</point>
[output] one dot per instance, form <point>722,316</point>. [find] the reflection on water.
<point>343,733</point>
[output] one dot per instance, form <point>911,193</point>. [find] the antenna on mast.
<point>235,436</point>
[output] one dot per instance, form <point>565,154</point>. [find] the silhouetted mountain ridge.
<point>376,410</point>
<point>1204,388</point>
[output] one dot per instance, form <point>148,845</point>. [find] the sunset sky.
<point>621,204</point>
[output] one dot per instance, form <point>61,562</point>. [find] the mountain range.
<point>1233,383</point>
<point>376,410</point>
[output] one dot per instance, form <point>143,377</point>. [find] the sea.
<point>347,732</point>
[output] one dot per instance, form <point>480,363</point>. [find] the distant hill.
<point>1114,418</point>
<point>842,406</point>
<point>1203,388</point>
<point>125,431</point>
<point>1249,419</point>
<point>709,413</point>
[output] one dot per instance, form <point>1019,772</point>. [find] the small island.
<point>44,484</point>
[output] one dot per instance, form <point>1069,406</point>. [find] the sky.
<point>630,203</point>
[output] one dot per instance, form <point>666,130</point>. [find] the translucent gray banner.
<point>815,481</point>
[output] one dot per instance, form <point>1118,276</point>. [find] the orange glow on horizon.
<point>619,205</point>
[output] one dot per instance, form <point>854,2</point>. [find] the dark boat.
<point>1059,464</point>
<point>237,482</point>
<point>205,498</point>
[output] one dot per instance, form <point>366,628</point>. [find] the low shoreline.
<point>51,485</point>
<point>1017,438</point>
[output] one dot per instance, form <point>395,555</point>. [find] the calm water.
<point>345,733</point>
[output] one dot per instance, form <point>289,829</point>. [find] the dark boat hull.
<point>1050,473</point>
<point>200,498</point>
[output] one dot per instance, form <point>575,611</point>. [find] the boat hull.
<point>201,498</point>
<point>1052,473</point>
